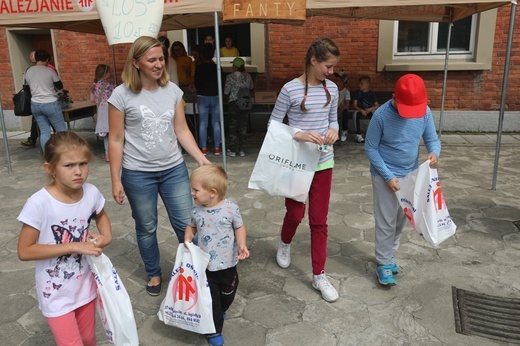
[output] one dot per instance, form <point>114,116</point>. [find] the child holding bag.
<point>56,235</point>
<point>218,225</point>
<point>100,92</point>
<point>311,105</point>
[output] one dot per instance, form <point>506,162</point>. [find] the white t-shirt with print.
<point>63,283</point>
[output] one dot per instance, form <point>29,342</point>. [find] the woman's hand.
<point>118,193</point>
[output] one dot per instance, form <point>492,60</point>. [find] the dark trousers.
<point>238,121</point>
<point>34,130</point>
<point>223,286</point>
<point>356,116</point>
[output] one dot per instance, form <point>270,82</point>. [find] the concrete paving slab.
<point>276,306</point>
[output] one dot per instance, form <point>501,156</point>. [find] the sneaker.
<point>384,274</point>
<point>359,139</point>
<point>231,153</point>
<point>104,157</point>
<point>29,143</point>
<point>322,284</point>
<point>344,136</point>
<point>215,339</point>
<point>217,151</point>
<point>283,256</point>
<point>395,267</point>
<point>204,151</point>
<point>241,153</point>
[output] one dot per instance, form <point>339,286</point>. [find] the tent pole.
<point>446,60</point>
<point>220,98</point>
<point>267,75</point>
<point>114,64</point>
<point>504,90</point>
<point>6,143</point>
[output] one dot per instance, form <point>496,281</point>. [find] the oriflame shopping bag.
<point>423,203</point>
<point>284,167</point>
<point>113,303</point>
<point>187,304</point>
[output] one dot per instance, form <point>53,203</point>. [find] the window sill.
<point>453,65</point>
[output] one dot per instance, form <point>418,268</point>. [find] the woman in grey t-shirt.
<point>147,123</point>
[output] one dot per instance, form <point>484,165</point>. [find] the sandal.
<point>104,157</point>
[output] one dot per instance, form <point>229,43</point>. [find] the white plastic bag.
<point>113,303</point>
<point>421,198</point>
<point>284,167</point>
<point>188,304</point>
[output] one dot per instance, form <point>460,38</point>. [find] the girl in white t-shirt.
<point>56,234</point>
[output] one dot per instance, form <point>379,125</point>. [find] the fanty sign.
<point>264,10</point>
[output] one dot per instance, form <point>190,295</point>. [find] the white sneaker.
<point>344,136</point>
<point>241,153</point>
<point>359,139</point>
<point>283,256</point>
<point>322,284</point>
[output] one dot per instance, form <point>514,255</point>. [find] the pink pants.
<point>77,328</point>
<point>319,197</point>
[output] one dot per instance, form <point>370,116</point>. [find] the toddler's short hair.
<point>211,177</point>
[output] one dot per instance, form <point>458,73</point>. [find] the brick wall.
<point>78,54</point>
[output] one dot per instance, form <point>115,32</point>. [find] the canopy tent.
<point>203,13</point>
<point>185,14</point>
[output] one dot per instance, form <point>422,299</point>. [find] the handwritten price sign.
<point>126,20</point>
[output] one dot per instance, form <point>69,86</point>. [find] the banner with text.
<point>261,10</point>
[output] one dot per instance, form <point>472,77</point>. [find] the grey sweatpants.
<point>390,220</point>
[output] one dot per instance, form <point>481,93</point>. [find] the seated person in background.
<point>341,81</point>
<point>364,103</point>
<point>229,50</point>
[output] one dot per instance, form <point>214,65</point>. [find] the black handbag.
<point>22,100</point>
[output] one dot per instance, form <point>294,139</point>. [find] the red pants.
<point>77,328</point>
<point>319,197</point>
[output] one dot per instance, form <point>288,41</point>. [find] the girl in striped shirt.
<point>310,102</point>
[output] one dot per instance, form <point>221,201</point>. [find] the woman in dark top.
<point>206,83</point>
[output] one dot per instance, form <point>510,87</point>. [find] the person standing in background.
<point>206,83</point>
<point>43,82</point>
<point>171,65</point>
<point>229,51</point>
<point>100,91</point>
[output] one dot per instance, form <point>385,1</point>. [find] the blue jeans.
<point>46,114</point>
<point>141,189</point>
<point>207,105</point>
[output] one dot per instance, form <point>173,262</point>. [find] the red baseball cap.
<point>410,96</point>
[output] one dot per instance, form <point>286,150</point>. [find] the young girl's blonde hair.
<point>61,142</point>
<point>322,48</point>
<point>211,177</point>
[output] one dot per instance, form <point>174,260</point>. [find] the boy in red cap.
<point>392,146</point>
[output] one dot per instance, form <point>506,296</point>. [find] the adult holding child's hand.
<point>147,125</point>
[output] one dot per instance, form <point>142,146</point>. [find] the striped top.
<point>392,142</point>
<point>318,117</point>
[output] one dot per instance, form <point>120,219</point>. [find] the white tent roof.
<point>199,13</point>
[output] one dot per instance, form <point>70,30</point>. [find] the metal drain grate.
<point>488,316</point>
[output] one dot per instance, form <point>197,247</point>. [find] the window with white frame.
<point>429,40</point>
<point>416,46</point>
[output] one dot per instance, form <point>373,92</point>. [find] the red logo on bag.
<point>185,289</point>
<point>438,198</point>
